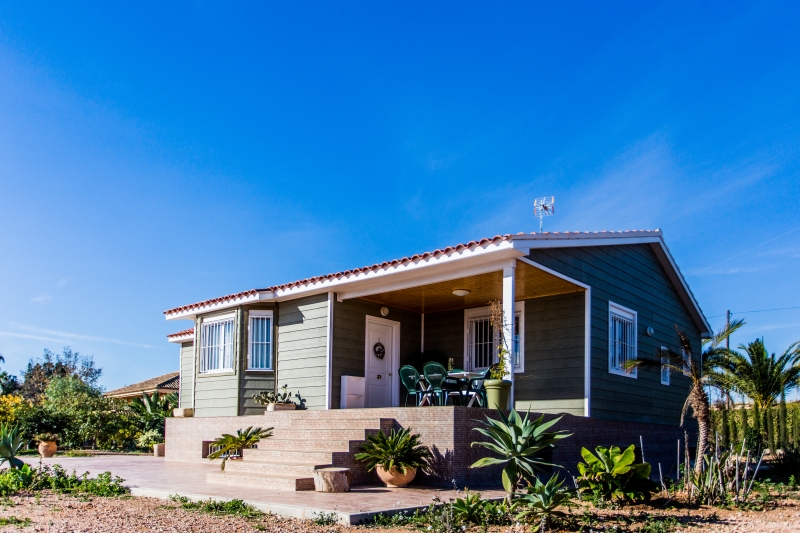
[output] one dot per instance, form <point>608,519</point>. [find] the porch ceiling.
<point>531,283</point>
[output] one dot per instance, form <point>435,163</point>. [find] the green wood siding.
<point>187,375</point>
<point>444,337</point>
<point>217,394</point>
<point>349,332</point>
<point>302,361</point>
<point>554,355</point>
<point>253,382</point>
<point>631,276</point>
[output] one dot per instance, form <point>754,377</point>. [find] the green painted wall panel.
<point>187,375</point>
<point>630,276</point>
<point>302,359</point>
<point>349,332</point>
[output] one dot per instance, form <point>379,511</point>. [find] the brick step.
<point>270,482</point>
<point>335,423</point>
<point>289,456</point>
<point>305,445</point>
<point>272,468</point>
<point>318,434</point>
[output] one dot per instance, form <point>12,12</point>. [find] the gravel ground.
<point>54,513</point>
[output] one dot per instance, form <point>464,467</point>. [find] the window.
<point>216,345</point>
<point>259,355</point>
<point>664,367</point>
<point>480,346</point>
<point>621,339</point>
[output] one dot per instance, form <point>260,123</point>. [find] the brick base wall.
<point>448,431</point>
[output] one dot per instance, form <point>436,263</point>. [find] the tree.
<point>152,410</point>
<point>762,377</point>
<point>697,399</point>
<point>37,376</point>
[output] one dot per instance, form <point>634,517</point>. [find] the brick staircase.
<point>302,441</point>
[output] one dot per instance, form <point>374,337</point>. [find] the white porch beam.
<point>426,278</point>
<point>509,293</point>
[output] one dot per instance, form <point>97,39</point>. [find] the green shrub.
<point>228,444</point>
<point>11,443</point>
<point>218,508</point>
<point>325,519</point>
<point>14,521</point>
<point>611,475</point>
<point>399,449</point>
<point>470,508</point>
<point>149,438</point>
<point>542,501</point>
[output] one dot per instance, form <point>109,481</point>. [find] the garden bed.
<point>92,514</point>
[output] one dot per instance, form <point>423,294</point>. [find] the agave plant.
<point>399,449</point>
<point>228,444</point>
<point>521,444</point>
<point>542,501</point>
<point>470,508</point>
<point>612,475</point>
<point>11,442</point>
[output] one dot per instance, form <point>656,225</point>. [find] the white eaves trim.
<point>188,337</point>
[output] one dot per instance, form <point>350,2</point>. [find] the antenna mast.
<point>544,207</point>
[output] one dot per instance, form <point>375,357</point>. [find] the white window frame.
<point>665,370</point>
<point>211,321</point>
<point>484,312</point>
<point>260,314</point>
<point>623,313</point>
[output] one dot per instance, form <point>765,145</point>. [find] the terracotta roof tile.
<point>183,333</point>
<point>394,262</point>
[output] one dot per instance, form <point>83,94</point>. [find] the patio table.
<point>463,379</point>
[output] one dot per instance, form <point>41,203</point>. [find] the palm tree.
<point>685,363</point>
<point>228,444</point>
<point>759,375</point>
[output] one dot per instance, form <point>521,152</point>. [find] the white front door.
<point>381,373</point>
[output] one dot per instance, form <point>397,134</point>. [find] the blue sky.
<point>164,153</point>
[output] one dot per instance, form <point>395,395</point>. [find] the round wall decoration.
<point>380,350</point>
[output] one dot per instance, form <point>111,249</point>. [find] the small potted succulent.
<point>395,457</point>
<point>47,443</point>
<point>277,401</point>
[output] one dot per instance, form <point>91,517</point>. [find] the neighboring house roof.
<point>513,245</point>
<point>166,383</point>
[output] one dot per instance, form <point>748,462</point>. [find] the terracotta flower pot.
<point>47,448</point>
<point>395,478</point>
<point>497,393</point>
<point>281,407</point>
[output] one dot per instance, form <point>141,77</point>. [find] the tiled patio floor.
<point>154,477</point>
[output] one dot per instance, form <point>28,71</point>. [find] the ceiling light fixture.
<point>461,292</point>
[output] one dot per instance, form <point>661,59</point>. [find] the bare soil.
<point>54,513</point>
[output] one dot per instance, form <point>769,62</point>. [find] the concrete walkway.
<point>156,478</point>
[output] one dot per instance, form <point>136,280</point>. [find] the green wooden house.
<point>577,306</point>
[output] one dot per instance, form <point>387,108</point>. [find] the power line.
<point>750,249</point>
<point>756,311</point>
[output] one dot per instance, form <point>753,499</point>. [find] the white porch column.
<point>509,292</point>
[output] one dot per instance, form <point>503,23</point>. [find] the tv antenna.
<point>544,207</point>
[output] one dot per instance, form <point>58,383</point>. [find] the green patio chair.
<point>409,377</point>
<point>476,388</point>
<point>435,374</point>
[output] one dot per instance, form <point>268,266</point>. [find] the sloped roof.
<point>167,381</point>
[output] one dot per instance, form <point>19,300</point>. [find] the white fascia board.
<point>192,313</point>
<point>675,275</point>
<point>523,242</point>
<point>189,337</point>
<point>373,281</point>
<point>434,275</point>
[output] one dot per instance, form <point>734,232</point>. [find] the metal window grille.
<point>664,368</point>
<point>216,347</point>
<point>481,343</point>
<point>260,343</point>
<point>483,346</point>
<point>623,341</point>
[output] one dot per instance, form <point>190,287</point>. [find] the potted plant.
<point>396,456</point>
<point>277,401</point>
<point>230,446</point>
<point>47,444</point>
<point>498,388</point>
